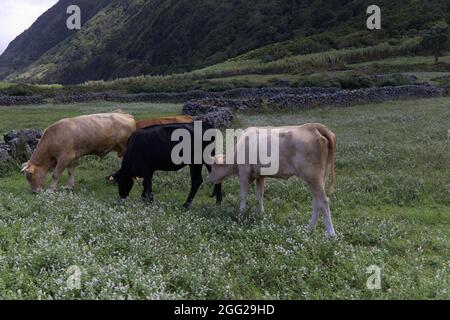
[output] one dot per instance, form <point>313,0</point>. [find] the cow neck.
<point>40,157</point>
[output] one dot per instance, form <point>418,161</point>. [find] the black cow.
<point>150,150</point>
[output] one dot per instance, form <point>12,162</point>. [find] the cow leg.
<point>121,148</point>
<point>208,167</point>
<point>314,215</point>
<point>196,182</point>
<point>325,207</point>
<point>147,195</point>
<point>321,203</point>
<point>217,191</point>
<point>71,180</point>
<point>60,166</point>
<point>260,194</point>
<point>245,186</point>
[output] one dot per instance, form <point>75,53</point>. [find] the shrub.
<point>391,80</point>
<point>275,54</point>
<point>20,90</point>
<point>356,81</point>
<point>436,40</point>
<point>321,81</point>
<point>442,81</point>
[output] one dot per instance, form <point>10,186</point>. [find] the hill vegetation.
<point>136,37</point>
<point>47,32</point>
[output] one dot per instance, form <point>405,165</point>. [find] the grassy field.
<point>418,66</point>
<point>391,208</point>
<point>40,116</point>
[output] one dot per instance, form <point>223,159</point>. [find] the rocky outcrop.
<point>4,153</point>
<point>19,145</point>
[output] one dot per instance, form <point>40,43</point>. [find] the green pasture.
<point>391,209</point>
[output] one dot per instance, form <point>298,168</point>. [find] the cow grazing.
<point>306,151</point>
<point>150,150</point>
<point>69,139</point>
<point>147,123</point>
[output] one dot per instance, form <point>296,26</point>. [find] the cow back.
<point>142,124</point>
<point>151,148</point>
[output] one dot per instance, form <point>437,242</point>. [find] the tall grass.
<point>4,85</point>
<point>336,59</point>
<point>329,60</point>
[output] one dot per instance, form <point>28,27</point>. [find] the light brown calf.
<point>306,151</point>
<point>69,139</point>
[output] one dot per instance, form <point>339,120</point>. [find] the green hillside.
<point>135,37</point>
<point>46,32</point>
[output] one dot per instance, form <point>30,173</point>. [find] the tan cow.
<point>69,139</point>
<point>306,151</point>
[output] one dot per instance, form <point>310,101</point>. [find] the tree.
<point>436,39</point>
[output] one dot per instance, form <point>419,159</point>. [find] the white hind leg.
<point>260,194</point>
<point>314,215</point>
<point>320,203</point>
<point>325,208</point>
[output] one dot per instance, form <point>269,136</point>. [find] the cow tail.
<point>331,137</point>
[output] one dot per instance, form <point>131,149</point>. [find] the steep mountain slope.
<point>48,30</point>
<point>132,37</point>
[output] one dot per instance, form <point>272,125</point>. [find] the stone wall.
<point>161,97</point>
<point>217,109</point>
<point>276,94</point>
<point>300,99</point>
<point>21,100</point>
<point>351,97</point>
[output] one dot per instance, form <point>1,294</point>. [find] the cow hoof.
<point>147,198</point>
<point>330,235</point>
<point>187,206</point>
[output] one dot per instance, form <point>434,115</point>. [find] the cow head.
<point>35,176</point>
<point>221,170</point>
<point>124,183</point>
